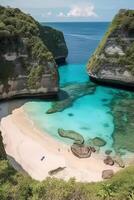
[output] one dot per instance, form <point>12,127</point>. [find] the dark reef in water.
<point>73,91</point>
<point>122,108</point>
<point>70,114</point>
<point>106,125</point>
<point>70,134</point>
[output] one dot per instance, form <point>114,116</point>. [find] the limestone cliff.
<point>28,55</point>
<point>113,60</point>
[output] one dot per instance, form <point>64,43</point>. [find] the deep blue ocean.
<point>81,38</point>
<point>90,115</point>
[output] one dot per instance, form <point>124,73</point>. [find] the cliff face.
<point>2,149</point>
<point>113,60</point>
<point>28,54</point>
<point>55,42</point>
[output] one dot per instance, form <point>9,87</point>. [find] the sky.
<point>70,10</point>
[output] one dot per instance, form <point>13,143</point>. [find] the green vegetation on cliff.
<point>115,53</point>
<point>26,46</point>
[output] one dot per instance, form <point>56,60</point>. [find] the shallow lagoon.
<point>107,113</point>
<point>89,115</point>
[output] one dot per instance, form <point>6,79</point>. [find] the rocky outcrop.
<point>71,93</point>
<point>118,160</point>
<point>81,151</point>
<point>78,139</point>
<point>2,149</point>
<point>28,55</point>
<point>99,142</point>
<point>107,174</point>
<point>55,171</point>
<point>112,62</point>
<point>55,42</point>
<point>109,161</point>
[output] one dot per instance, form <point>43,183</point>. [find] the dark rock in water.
<point>118,160</point>
<point>74,92</point>
<point>55,171</point>
<point>104,100</point>
<point>81,151</point>
<point>108,152</point>
<point>70,114</point>
<point>106,125</point>
<point>109,161</point>
<point>98,142</point>
<point>78,139</point>
<point>93,149</point>
<point>112,63</point>
<point>107,174</point>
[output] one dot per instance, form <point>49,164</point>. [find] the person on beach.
<point>43,157</point>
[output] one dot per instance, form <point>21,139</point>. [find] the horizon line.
<point>75,21</point>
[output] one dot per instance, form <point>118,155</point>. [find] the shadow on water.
<point>114,84</point>
<point>8,105</point>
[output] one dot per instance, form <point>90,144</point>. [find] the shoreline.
<point>27,145</point>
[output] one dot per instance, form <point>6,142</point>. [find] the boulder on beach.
<point>81,151</point>
<point>118,160</point>
<point>107,174</point>
<point>108,152</point>
<point>55,171</point>
<point>78,139</point>
<point>109,161</point>
<point>97,141</point>
<point>93,149</point>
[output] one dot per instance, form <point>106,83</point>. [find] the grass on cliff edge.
<point>14,186</point>
<point>123,21</point>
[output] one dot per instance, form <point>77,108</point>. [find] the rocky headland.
<point>112,62</point>
<point>28,55</point>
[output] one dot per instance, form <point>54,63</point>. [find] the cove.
<point>89,115</point>
<point>106,112</point>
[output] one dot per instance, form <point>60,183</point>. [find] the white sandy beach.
<point>27,145</point>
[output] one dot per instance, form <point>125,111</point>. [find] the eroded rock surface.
<point>55,171</point>
<point>107,174</point>
<point>28,55</point>
<point>109,161</point>
<point>112,62</point>
<point>97,141</point>
<point>70,134</point>
<point>2,149</point>
<point>81,151</point>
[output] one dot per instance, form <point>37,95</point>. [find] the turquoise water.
<point>73,73</point>
<point>89,114</point>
